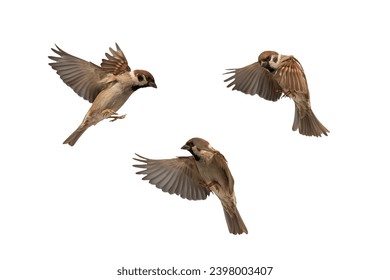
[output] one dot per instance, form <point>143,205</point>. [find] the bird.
<point>107,86</point>
<point>194,177</point>
<point>273,76</point>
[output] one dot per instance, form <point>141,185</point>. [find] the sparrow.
<point>107,86</point>
<point>274,75</point>
<point>194,177</point>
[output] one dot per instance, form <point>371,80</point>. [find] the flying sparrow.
<point>273,75</point>
<point>107,86</point>
<point>194,177</point>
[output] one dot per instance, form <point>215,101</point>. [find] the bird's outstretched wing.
<point>254,79</point>
<point>116,62</point>
<point>86,78</point>
<point>176,176</point>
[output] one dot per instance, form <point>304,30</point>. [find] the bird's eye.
<point>140,77</point>
<point>268,58</point>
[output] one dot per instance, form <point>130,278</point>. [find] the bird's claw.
<point>115,117</point>
<point>111,114</point>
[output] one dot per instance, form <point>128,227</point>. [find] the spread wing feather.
<point>175,176</point>
<point>254,79</point>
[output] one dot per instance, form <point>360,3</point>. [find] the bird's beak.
<point>152,84</point>
<point>186,147</point>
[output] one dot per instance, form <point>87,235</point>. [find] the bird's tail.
<point>308,124</point>
<point>72,139</point>
<point>234,221</point>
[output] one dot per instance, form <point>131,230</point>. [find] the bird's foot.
<point>111,114</point>
<point>116,117</point>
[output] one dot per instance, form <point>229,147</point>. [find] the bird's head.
<point>269,60</point>
<point>144,79</point>
<point>197,146</point>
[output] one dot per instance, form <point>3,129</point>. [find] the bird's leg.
<point>111,114</point>
<point>214,187</point>
<point>114,118</point>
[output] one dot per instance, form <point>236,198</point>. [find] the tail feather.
<point>234,221</point>
<point>308,124</point>
<point>72,139</point>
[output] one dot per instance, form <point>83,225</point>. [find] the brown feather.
<point>85,78</point>
<point>116,63</point>
<point>175,176</point>
<point>254,79</point>
<point>291,77</point>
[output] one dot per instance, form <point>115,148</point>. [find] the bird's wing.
<point>179,176</point>
<point>84,77</point>
<point>116,62</point>
<point>254,79</point>
<point>221,162</point>
<point>291,77</point>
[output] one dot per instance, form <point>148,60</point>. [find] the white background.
<point>315,208</point>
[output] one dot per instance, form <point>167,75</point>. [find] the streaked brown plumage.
<point>107,86</point>
<point>274,75</point>
<point>195,177</point>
